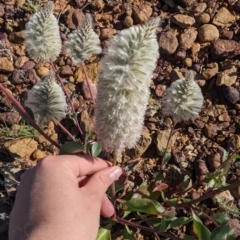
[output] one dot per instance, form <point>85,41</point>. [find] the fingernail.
<point>115,174</point>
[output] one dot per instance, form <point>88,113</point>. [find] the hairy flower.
<point>42,37</point>
<point>183,99</point>
<point>123,87</point>
<point>83,42</point>
<point>47,101</point>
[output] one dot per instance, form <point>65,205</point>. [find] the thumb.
<point>101,180</point>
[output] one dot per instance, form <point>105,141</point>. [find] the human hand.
<point>62,198</point>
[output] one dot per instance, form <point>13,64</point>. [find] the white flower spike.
<point>42,37</point>
<point>123,87</point>
<point>183,99</point>
<point>47,101</point>
<point>83,42</point>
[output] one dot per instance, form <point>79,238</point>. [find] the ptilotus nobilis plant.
<point>183,99</point>
<point>47,101</point>
<point>123,87</point>
<point>83,42</point>
<point>42,36</point>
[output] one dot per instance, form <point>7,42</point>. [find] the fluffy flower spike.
<point>83,42</point>
<point>123,87</point>
<point>47,101</point>
<point>42,37</point>
<point>183,99</point>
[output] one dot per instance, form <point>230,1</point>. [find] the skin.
<point>62,198</point>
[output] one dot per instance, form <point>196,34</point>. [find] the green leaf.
<point>128,234</point>
<point>225,156</point>
<point>88,134</point>
<point>103,234</point>
<point>187,237</point>
<point>221,218</point>
<point>179,222</point>
<point>96,149</point>
<point>236,156</point>
<point>144,205</point>
<point>202,232</point>
<point>172,201</point>
<point>72,148</point>
<point>186,182</point>
<point>220,233</point>
<point>167,157</point>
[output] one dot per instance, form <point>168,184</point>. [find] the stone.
<point>42,71</point>
<point>16,37</point>
<point>231,94</point>
<point>141,146</point>
<point>210,71</point>
<point>66,71</point>
<point>73,18</point>
<point>31,76</point>
<point>223,18</point>
<point>97,5</point>
<point>226,34</point>
<point>227,77</point>
<point>9,118</point>
<point>188,37</point>
<point>208,33</point>
<point>6,65</point>
<point>22,147</point>
<point>107,33</point>
<point>187,62</point>
<point>210,130</point>
<point>224,117</point>
<point>237,6</point>
<point>183,21</point>
<point>168,43</point>
<point>187,3</point>
<point>223,49</point>
<point>170,3</point>
<point>20,61</point>
<point>199,8</point>
<point>86,121</point>
<point>162,139</point>
<point>223,197</point>
<point>201,169</point>
<point>37,154</point>
<point>2,10</point>
<point>128,21</point>
<point>28,65</point>
<point>89,95</point>
<point>214,161</point>
<point>235,225</point>
<point>175,74</point>
<point>160,89</point>
<point>18,77</point>
<point>19,3</point>
<point>142,13</point>
<point>203,18</point>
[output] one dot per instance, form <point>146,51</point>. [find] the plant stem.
<point>126,222</point>
<point>68,98</point>
<point>87,79</point>
<point>209,194</point>
<point>65,130</point>
<point>25,114</point>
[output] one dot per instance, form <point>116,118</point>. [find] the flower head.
<point>42,37</point>
<point>183,99</point>
<point>123,87</point>
<point>47,100</point>
<point>83,42</point>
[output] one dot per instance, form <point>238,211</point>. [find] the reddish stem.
<point>24,112</point>
<point>68,97</point>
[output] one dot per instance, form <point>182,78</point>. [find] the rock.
<point>42,71</point>
<point>21,61</point>
<point>9,118</point>
<point>160,89</point>
<point>170,3</point>
<point>162,139</point>
<point>66,71</point>
<point>223,18</point>
<point>223,197</point>
<point>199,8</point>
<point>22,147</point>
<point>32,77</point>
<point>168,43</point>
<point>28,65</point>
<point>107,33</point>
<point>19,3</point>
<point>2,10</point>
<point>226,34</point>
<point>183,21</point>
<point>188,62</point>
<point>181,53</point>
<point>6,65</point>
<point>222,49</point>
<point>86,92</point>
<point>142,13</point>
<point>188,37</point>
<point>201,169</point>
<point>234,142</point>
<point>210,130</point>
<point>97,5</point>
<point>141,146</point>
<point>237,6</point>
<point>210,71</point>
<point>214,161</point>
<point>186,3</point>
<point>18,76</point>
<point>235,225</point>
<point>227,77</point>
<point>224,117</point>
<point>203,18</point>
<point>86,121</point>
<point>231,94</point>
<point>16,37</point>
<point>208,33</point>
<point>175,74</point>
<point>128,21</point>
<point>37,154</point>
<point>73,18</point>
